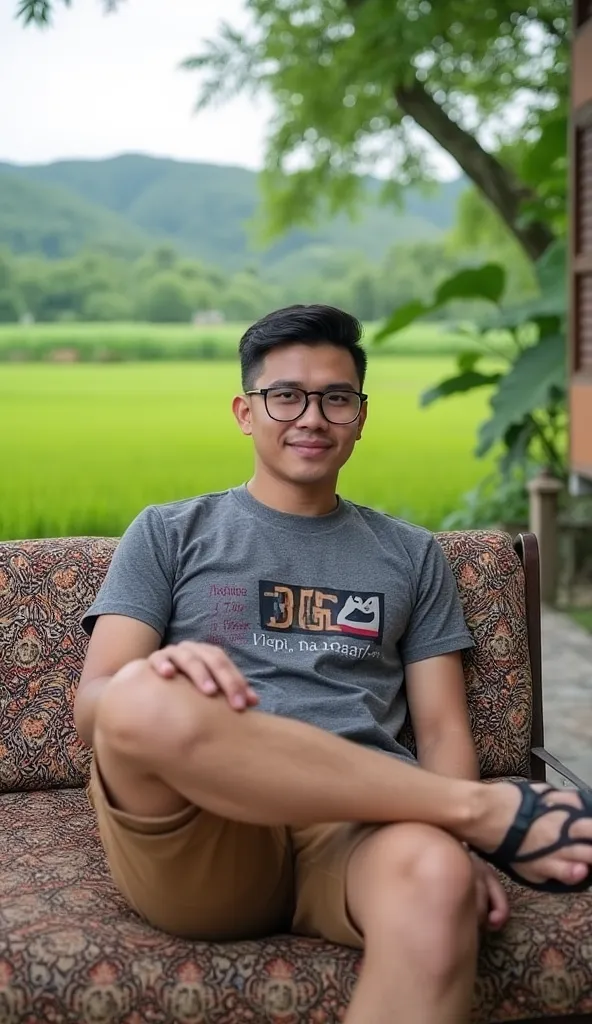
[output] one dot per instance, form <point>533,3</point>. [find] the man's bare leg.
<point>161,744</point>
<point>411,892</point>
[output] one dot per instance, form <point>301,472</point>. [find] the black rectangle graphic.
<point>287,608</point>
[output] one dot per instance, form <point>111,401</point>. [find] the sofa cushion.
<point>45,585</point>
<point>71,950</point>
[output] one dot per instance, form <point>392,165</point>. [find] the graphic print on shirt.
<point>294,609</point>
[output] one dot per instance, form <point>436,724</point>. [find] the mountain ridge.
<point>130,202</point>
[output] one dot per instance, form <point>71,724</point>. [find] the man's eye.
<point>284,396</point>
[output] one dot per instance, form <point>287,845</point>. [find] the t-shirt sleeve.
<point>139,581</point>
<point>437,623</point>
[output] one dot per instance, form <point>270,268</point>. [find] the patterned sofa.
<point>70,949</point>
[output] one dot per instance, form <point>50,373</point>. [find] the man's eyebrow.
<point>344,385</point>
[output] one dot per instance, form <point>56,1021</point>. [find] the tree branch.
<point>498,184</point>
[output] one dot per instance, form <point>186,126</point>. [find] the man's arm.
<point>116,640</point>
<point>440,718</point>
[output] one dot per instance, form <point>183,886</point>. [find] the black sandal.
<point>530,810</point>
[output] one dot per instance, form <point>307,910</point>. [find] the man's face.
<point>310,449</point>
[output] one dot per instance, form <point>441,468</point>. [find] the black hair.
<point>304,325</point>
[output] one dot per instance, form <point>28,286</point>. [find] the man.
<point>243,690</point>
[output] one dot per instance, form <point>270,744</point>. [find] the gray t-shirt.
<point>321,614</point>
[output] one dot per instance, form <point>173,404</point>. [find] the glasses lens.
<point>285,403</point>
<point>341,406</point>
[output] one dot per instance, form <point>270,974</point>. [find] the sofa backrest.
<point>45,586</point>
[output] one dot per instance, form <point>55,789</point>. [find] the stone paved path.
<point>567,693</point>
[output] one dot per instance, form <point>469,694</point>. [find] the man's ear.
<point>241,407</point>
<point>362,420</point>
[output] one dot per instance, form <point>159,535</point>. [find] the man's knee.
<point>413,865</point>
<point>140,713</point>
<point>437,865</point>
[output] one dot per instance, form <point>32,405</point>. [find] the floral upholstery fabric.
<point>71,952</point>
<point>490,581</point>
<point>45,585</point>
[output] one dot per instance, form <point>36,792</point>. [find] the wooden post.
<point>544,492</point>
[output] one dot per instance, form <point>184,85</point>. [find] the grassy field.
<point>84,448</point>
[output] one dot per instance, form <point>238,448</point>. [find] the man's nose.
<point>312,415</point>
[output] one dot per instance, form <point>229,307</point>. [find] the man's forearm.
<point>85,705</point>
<point>453,754</point>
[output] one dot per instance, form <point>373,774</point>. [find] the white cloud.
<point>94,85</point>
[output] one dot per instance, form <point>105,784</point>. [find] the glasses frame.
<point>339,423</point>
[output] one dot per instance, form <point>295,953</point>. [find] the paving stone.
<point>567,692</point>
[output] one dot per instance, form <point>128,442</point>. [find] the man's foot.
<point>537,835</point>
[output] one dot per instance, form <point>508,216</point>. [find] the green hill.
<point>38,218</point>
<point>129,202</point>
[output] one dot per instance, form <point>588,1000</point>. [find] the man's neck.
<point>297,500</point>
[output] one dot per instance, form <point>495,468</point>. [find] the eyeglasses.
<point>285,404</point>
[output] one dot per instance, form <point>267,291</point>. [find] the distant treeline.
<point>163,286</point>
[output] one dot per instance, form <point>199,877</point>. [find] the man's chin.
<point>307,472</point>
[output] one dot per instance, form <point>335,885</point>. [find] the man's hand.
<point>208,668</point>
<point>492,902</point>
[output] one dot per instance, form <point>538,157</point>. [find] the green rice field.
<point>83,447</point>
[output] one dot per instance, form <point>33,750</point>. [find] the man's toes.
<point>570,872</point>
<point>581,852</point>
<point>581,829</point>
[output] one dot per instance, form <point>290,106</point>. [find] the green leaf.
<point>467,360</point>
<point>527,387</point>
<point>551,272</point>
<point>402,317</point>
<point>547,324</point>
<point>542,310</point>
<point>485,282</point>
<point>550,147</point>
<point>457,385</point>
<point>517,440</point>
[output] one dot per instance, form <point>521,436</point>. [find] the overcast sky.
<point>95,85</point>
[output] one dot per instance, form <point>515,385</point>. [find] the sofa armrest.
<point>546,759</point>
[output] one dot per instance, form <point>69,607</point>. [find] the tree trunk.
<point>497,183</point>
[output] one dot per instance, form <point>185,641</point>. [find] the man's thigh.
<point>195,874</point>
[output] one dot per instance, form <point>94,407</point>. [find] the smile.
<point>310,451</point>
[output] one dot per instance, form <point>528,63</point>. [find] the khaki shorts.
<point>199,876</point>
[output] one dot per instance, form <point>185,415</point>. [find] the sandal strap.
<point>564,839</point>
<point>525,816</point>
<point>530,810</point>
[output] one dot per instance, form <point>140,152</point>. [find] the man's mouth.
<point>309,448</point>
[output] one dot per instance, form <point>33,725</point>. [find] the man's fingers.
<point>209,669</point>
<point>493,908</point>
<point>499,907</point>
<point>162,665</point>
<point>226,676</point>
<point>166,666</point>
